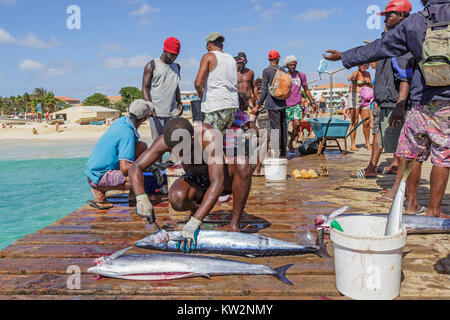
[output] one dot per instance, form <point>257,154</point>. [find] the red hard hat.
<point>172,45</point>
<point>273,54</point>
<point>397,6</point>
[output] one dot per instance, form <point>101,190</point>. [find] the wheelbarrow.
<point>332,130</point>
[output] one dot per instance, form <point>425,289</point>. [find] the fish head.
<point>321,222</point>
<point>154,240</point>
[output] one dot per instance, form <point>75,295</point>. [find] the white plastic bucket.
<point>275,169</point>
<point>368,265</point>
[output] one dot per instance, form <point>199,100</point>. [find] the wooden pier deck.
<point>35,267</point>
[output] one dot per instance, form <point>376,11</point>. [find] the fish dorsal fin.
<point>338,212</point>
<point>117,254</point>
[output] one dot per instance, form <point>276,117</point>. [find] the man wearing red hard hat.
<point>160,85</point>
<point>275,107</point>
<point>426,131</point>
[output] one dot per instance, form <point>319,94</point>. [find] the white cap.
<point>142,109</point>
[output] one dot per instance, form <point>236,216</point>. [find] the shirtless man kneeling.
<point>206,179</point>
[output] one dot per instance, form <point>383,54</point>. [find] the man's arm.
<point>309,95</point>
<point>397,118</point>
<point>179,103</point>
<point>252,84</point>
<point>203,71</point>
<point>147,82</point>
<point>264,91</point>
<point>149,157</point>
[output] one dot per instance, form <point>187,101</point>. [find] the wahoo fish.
<point>414,224</point>
<point>233,243</point>
<point>171,266</point>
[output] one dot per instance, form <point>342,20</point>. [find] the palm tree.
<point>39,92</point>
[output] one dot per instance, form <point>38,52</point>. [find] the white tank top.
<point>221,85</point>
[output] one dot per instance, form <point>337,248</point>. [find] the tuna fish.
<point>232,243</point>
<point>414,224</point>
<point>171,266</point>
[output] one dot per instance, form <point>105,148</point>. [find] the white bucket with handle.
<point>275,169</point>
<point>367,264</point>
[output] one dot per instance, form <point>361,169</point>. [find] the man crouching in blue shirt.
<point>115,152</point>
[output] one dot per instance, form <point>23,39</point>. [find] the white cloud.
<point>30,65</point>
<point>138,61</point>
<point>257,8</point>
<point>274,10</point>
<point>245,29</point>
<point>30,40</point>
<point>144,10</point>
<point>317,14</point>
<point>8,2</point>
<point>53,70</point>
<point>189,63</point>
<point>110,47</point>
<point>298,44</point>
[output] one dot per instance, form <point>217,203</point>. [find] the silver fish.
<point>414,224</point>
<point>171,266</point>
<point>233,243</point>
<point>395,221</point>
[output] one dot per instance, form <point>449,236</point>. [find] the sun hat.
<point>215,36</point>
<point>141,108</point>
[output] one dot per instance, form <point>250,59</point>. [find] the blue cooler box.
<point>338,128</point>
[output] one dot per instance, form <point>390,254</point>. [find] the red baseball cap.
<point>397,6</point>
<point>172,45</point>
<point>273,54</point>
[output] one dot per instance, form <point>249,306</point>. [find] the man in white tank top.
<point>217,84</point>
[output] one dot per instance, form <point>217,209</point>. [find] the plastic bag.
<point>310,146</point>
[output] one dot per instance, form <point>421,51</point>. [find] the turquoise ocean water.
<point>39,184</point>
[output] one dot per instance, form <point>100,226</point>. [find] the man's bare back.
<point>245,81</point>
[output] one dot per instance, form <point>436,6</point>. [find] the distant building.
<point>113,100</point>
<point>86,114</point>
<point>187,97</point>
<point>68,100</point>
<point>324,90</point>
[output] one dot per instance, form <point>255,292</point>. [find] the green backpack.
<point>435,64</point>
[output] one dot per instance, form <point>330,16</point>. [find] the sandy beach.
<point>67,132</point>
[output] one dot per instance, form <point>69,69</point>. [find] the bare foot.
<point>353,148</point>
<point>418,211</point>
<point>229,228</point>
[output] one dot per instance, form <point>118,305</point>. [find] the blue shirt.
<point>118,143</point>
<point>408,36</point>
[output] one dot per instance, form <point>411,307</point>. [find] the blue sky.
<point>118,37</point>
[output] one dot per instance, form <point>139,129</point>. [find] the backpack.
<point>435,64</point>
<point>281,85</point>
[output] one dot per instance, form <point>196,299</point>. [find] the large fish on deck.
<point>414,224</point>
<point>171,266</point>
<point>233,243</point>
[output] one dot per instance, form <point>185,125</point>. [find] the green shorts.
<point>221,119</point>
<point>294,113</point>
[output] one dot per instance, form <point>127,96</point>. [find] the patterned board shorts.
<point>221,119</point>
<point>112,178</point>
<point>294,113</point>
<point>427,131</point>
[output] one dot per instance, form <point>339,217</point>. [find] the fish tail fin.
<point>322,248</point>
<point>280,274</point>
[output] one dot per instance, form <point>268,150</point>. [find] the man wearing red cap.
<point>160,86</point>
<point>426,131</point>
<point>391,90</point>
<point>275,107</point>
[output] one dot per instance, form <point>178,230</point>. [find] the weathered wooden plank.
<point>223,286</point>
<point>166,297</point>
